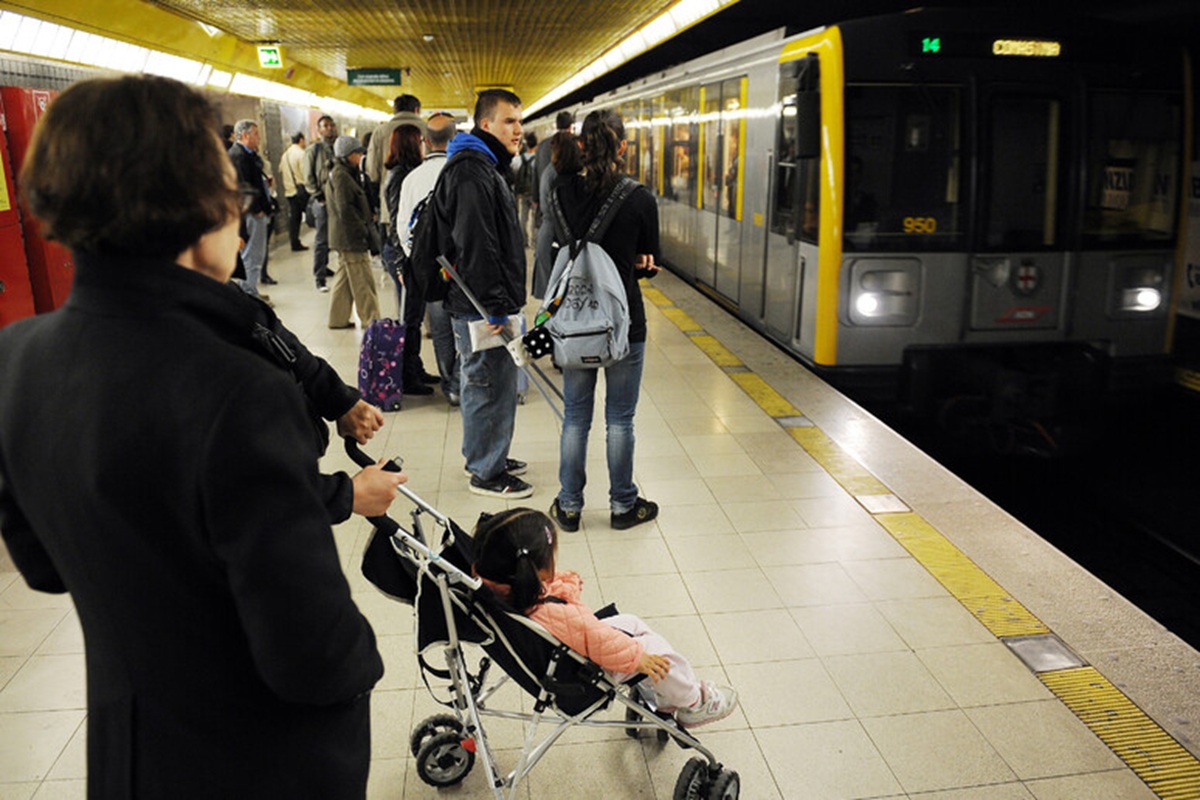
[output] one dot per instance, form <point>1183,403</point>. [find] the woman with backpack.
<point>631,241</point>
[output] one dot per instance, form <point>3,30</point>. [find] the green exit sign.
<point>931,44</point>
<point>269,56</point>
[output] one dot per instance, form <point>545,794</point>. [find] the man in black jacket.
<point>479,232</point>
<point>255,186</point>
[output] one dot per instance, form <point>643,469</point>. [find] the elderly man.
<point>350,236</point>
<point>256,187</point>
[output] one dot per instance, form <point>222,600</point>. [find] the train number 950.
<point>920,224</point>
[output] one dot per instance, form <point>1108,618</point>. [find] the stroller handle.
<point>356,454</point>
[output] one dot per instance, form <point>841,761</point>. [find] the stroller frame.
<point>445,745</point>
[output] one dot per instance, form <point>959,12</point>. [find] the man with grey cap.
<point>350,237</point>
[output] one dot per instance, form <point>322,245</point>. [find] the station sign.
<point>373,76</point>
<point>270,56</point>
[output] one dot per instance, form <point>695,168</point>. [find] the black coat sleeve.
<point>267,526</point>
<point>26,551</point>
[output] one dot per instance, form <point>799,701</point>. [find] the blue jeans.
<point>442,334</point>
<point>255,251</point>
<point>321,242</point>
<point>623,382</point>
<point>488,403</point>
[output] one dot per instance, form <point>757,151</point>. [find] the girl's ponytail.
<point>511,547</point>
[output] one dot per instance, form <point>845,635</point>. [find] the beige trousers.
<point>353,284</point>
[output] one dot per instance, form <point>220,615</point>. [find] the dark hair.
<point>404,148</point>
<point>297,136</point>
<point>324,117</point>
<point>227,133</point>
<point>406,102</point>
<point>564,120</point>
<point>602,134</point>
<point>510,548</point>
<point>485,106</point>
<point>531,140</point>
<point>564,153</point>
<point>122,188</point>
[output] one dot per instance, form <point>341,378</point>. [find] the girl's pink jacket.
<point>574,624</point>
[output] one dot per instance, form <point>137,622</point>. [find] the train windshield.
<point>1133,160</point>
<point>902,174</point>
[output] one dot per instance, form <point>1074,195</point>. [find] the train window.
<point>795,198</point>
<point>1133,168</point>
<point>645,169</point>
<point>733,126</point>
<point>710,147</point>
<point>629,115</point>
<point>1024,191</point>
<point>901,171</point>
<point>682,136</point>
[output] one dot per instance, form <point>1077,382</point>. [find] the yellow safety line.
<point>1168,768</point>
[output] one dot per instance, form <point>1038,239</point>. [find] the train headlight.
<point>884,291</point>
<point>1142,299</point>
<point>1138,289</point>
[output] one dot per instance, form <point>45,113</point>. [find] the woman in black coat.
<point>158,463</point>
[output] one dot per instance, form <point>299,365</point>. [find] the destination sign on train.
<point>974,45</point>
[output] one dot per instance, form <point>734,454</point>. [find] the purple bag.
<point>381,364</point>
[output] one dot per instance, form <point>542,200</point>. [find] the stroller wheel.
<point>725,786</point>
<point>443,760</point>
<point>692,780</point>
<point>430,727</point>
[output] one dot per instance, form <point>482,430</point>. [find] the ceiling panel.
<point>530,46</point>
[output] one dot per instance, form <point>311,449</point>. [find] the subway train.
<point>939,208</point>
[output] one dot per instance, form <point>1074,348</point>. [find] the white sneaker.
<point>716,703</point>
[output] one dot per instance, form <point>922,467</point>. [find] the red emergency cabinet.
<point>16,294</point>
<point>51,270</point>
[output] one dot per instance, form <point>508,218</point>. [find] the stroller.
<point>453,608</point>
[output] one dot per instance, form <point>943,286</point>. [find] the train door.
<point>1019,263</point>
<point>789,301</point>
<point>719,236</point>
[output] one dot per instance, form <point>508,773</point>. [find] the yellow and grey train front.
<point>979,207</point>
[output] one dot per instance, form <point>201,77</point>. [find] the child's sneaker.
<point>716,702</point>
<point>567,520</point>
<point>509,487</point>
<point>643,511</point>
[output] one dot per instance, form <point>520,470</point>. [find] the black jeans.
<point>296,206</point>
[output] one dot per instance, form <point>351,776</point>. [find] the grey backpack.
<point>589,312</point>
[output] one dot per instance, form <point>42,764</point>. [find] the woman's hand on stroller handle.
<point>375,488</point>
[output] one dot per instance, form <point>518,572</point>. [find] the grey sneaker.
<point>508,487</point>
<point>716,703</point>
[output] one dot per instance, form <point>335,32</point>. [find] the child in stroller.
<point>515,557</point>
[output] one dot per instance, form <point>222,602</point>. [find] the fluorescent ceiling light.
<point>31,36</point>
<point>678,17</point>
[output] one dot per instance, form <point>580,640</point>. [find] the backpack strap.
<point>609,209</point>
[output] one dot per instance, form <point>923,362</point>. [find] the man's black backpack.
<point>425,249</point>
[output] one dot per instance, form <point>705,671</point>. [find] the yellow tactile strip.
<point>1169,769</point>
